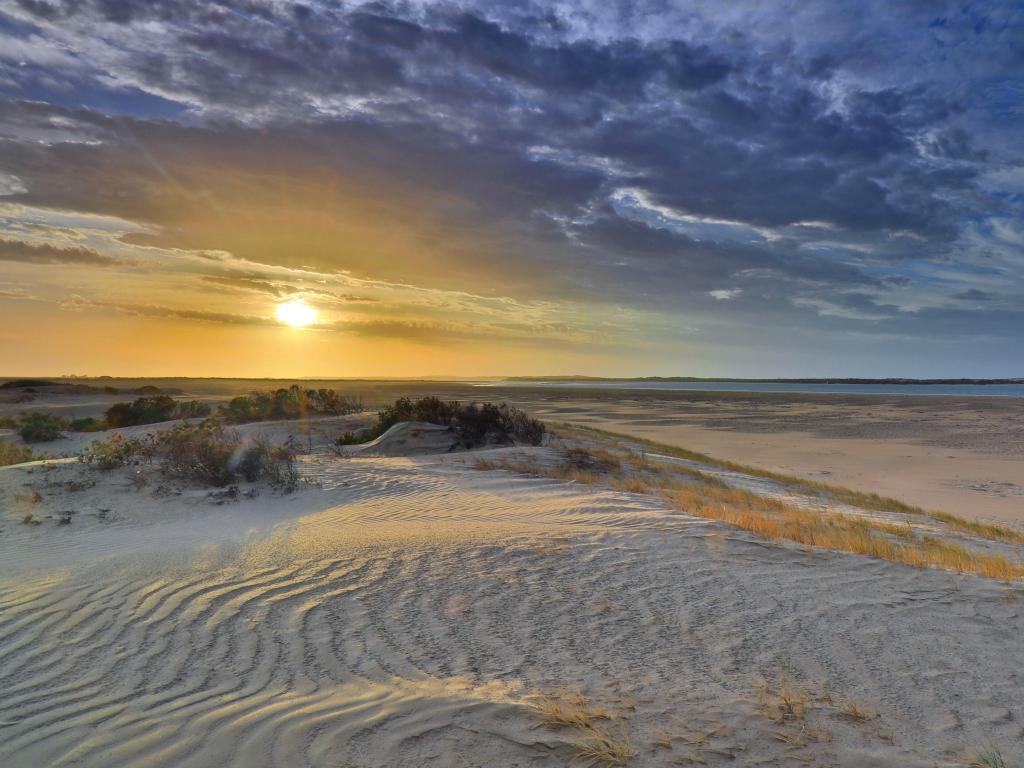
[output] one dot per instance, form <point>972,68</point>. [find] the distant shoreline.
<point>739,380</point>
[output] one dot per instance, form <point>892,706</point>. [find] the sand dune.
<point>407,612</point>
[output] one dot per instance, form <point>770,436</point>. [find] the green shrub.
<point>115,451</point>
<point>40,427</point>
<point>191,409</point>
<point>351,438</point>
<point>144,410</point>
<point>201,453</point>
<point>291,403</point>
<point>152,409</point>
<point>475,424</point>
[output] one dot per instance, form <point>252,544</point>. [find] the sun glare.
<point>296,313</point>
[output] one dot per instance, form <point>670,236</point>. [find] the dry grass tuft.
<point>988,757</point>
<point>631,485</point>
<point>698,493</point>
<point>855,710</point>
<point>569,710</point>
<point>603,748</point>
<point>775,520</point>
<point>871,501</point>
<point>786,703</point>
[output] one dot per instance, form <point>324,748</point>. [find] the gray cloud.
<point>43,253</point>
<point>826,163</point>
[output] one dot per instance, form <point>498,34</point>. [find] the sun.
<point>296,313</point>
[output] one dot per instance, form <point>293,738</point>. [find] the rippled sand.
<point>405,612</point>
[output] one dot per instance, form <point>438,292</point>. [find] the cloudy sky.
<point>485,188</point>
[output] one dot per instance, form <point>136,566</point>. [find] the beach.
<point>477,608</point>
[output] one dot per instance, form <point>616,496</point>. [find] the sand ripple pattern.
<point>405,621</point>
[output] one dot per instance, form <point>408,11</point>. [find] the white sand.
<point>403,613</point>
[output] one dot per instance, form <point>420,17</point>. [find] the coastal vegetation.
<point>291,403</point>
<point>205,453</point>
<point>475,424</point>
<point>696,492</point>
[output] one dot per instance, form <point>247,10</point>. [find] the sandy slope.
<point>403,613</point>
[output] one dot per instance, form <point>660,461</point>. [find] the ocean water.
<point>973,390</point>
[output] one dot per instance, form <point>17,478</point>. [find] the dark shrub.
<point>354,438</point>
<point>474,424</point>
<point>272,463</point>
<point>191,409</point>
<point>40,427</point>
<point>291,403</point>
<point>144,410</point>
<point>87,424</point>
<point>153,409</point>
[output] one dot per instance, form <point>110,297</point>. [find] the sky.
<point>475,188</point>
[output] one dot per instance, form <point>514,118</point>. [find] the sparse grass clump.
<point>597,460</point>
<point>857,711</point>
<point>598,746</point>
<point>603,748</point>
<point>568,711</point>
<point>988,757</point>
<point>14,454</point>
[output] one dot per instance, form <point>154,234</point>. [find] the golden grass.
<point>864,500</point>
<point>603,748</point>
<point>568,710</point>
<point>597,746</point>
<point>855,710</point>
<point>14,454</point>
<point>698,493</point>
<point>630,484</point>
<point>774,520</point>
<point>788,702</point>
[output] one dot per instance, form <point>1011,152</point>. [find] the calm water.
<point>974,390</point>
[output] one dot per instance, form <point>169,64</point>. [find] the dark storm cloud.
<point>804,160</point>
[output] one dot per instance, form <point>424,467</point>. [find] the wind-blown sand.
<point>406,610</point>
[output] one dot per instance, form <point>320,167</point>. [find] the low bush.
<point>352,438</point>
<point>291,403</point>
<point>115,451</point>
<point>206,453</point>
<point>41,427</point>
<point>475,424</point>
<point>14,454</point>
<point>203,453</point>
<point>87,424</point>
<point>152,409</point>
